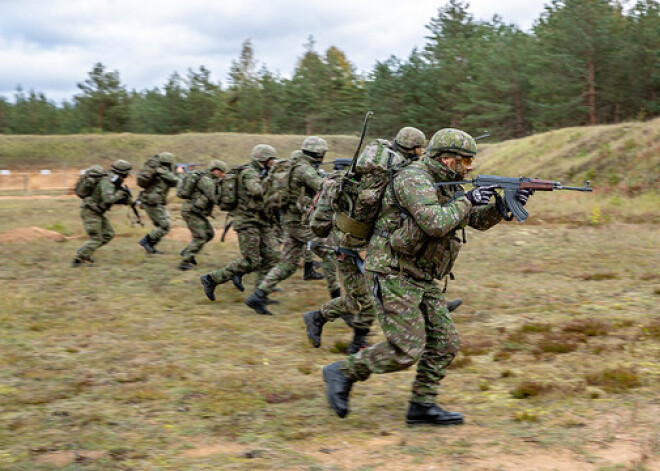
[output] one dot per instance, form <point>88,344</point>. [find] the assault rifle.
<point>134,204</point>
<point>510,185</point>
<point>188,166</point>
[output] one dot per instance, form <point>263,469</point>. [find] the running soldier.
<point>416,242</point>
<point>304,184</point>
<point>356,305</point>
<point>108,190</point>
<point>154,198</point>
<point>197,207</point>
<point>255,239</point>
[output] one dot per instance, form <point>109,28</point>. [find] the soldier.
<point>304,182</point>
<point>416,242</point>
<point>106,192</point>
<point>197,208</point>
<point>255,239</point>
<point>154,199</point>
<point>356,305</point>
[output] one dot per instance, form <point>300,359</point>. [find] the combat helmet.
<point>263,153</point>
<point>218,165</point>
<point>95,171</point>
<point>121,167</point>
<point>314,146</point>
<point>409,138</point>
<point>166,158</point>
<point>453,141</point>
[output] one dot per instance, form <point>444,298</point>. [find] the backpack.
<point>359,199</point>
<point>147,173</point>
<point>277,186</point>
<point>228,196</point>
<point>187,184</point>
<point>88,180</point>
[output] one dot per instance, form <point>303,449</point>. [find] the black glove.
<point>480,195</point>
<point>523,195</point>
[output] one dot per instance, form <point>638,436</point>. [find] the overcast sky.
<point>51,45</point>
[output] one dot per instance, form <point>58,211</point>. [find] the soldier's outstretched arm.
<point>311,178</point>
<point>418,197</point>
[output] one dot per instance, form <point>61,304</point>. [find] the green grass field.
<point>127,366</point>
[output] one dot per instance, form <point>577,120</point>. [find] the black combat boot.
<point>314,322</point>
<point>145,242</point>
<point>335,293</point>
<point>453,305</point>
<point>209,285</point>
<point>420,413</point>
<point>359,341</point>
<point>193,260</point>
<point>339,387</point>
<point>185,266</point>
<point>310,273</point>
<point>257,301</point>
<point>77,262</point>
<point>238,282</point>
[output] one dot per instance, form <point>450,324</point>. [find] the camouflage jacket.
<point>417,233</point>
<point>108,191</point>
<point>305,184</point>
<point>157,192</point>
<point>203,196</point>
<point>249,210</point>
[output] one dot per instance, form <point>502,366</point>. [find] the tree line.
<point>585,62</point>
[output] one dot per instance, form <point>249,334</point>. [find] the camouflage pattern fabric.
<point>98,229</point>
<point>328,263</point>
<point>160,218</point>
<point>295,243</point>
<point>418,329</point>
<point>356,299</point>
<point>154,199</point>
<point>415,242</point>
<point>107,192</point>
<point>195,212</point>
<point>249,210</point>
<point>259,254</point>
<point>202,232</point>
<point>305,183</point>
<point>425,243</point>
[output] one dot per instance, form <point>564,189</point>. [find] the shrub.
<point>529,389</point>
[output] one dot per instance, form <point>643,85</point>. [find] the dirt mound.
<point>182,234</point>
<point>29,234</point>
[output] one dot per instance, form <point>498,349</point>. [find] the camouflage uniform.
<point>415,242</point>
<point>356,305</point>
<point>108,191</point>
<point>255,239</point>
<point>195,212</point>
<point>305,183</point>
<point>154,198</point>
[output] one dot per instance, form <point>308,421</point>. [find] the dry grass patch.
<point>590,327</point>
<point>556,342</point>
<point>530,388</point>
<point>535,327</point>
<point>615,380</point>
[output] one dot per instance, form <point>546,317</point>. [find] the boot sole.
<point>436,424</point>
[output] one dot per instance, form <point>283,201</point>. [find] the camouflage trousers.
<point>293,248</point>
<point>160,219</point>
<point>418,329</point>
<point>328,263</point>
<point>98,229</point>
<point>201,230</point>
<point>356,300</point>
<point>259,252</point>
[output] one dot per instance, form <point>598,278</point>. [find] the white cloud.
<point>50,46</point>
